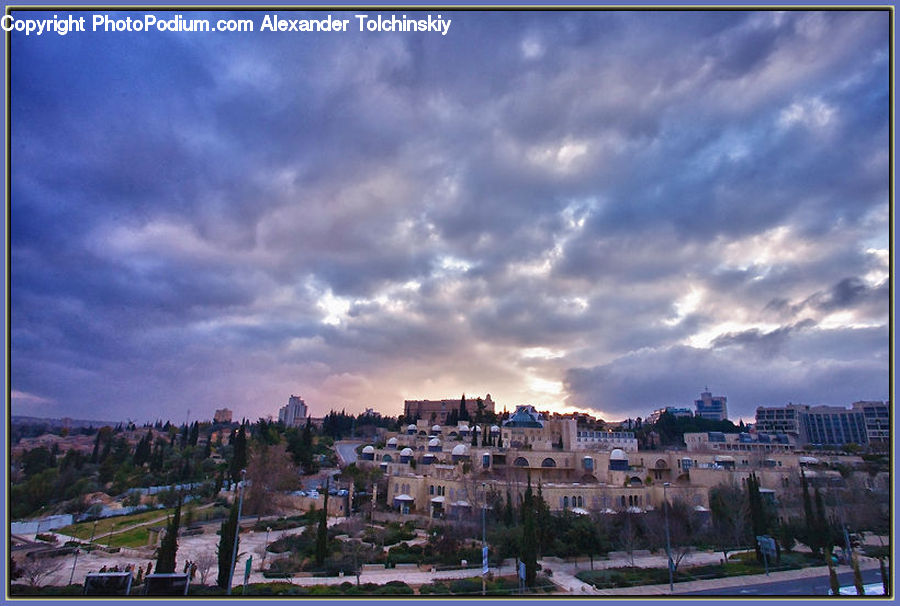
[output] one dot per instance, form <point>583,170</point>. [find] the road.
<point>347,451</point>
<point>818,585</point>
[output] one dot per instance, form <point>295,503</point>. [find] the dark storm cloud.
<point>536,199</point>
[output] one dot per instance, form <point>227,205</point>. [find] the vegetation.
<point>168,547</point>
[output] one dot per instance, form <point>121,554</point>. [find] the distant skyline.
<point>580,210</point>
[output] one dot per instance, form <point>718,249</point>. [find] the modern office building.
<point>877,418</point>
<point>295,413</point>
<point>711,407</point>
<point>827,425</point>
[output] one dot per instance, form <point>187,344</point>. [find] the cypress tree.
<point>811,538</point>
<point>529,537</point>
<point>757,520</point>
<point>168,547</point>
<point>226,545</point>
<point>822,527</point>
<point>322,533</point>
<point>239,456</point>
<point>463,411</point>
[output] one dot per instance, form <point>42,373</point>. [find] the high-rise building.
<point>877,417</point>
<point>712,407</point>
<point>827,425</point>
<point>223,415</point>
<point>294,413</point>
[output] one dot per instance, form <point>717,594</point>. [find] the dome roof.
<point>410,427</point>
<point>436,428</point>
<point>434,442</point>
<point>460,449</point>
<point>368,449</point>
<point>392,442</point>
<point>618,455</point>
<point>495,428</point>
<point>406,452</point>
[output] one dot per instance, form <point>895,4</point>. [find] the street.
<point>818,585</point>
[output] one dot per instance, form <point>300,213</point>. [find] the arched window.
<point>521,462</point>
<point>581,501</point>
<point>387,458</point>
<point>565,502</point>
<point>548,462</point>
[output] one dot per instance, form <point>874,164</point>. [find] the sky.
<point>597,211</point>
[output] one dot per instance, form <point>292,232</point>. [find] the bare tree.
<point>205,563</point>
<point>270,474</point>
<point>628,536</point>
<point>37,569</point>
<point>730,512</point>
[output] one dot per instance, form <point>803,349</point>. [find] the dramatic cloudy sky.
<point>593,210</point>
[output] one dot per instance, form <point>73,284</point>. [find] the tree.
<point>586,537</point>
<point>757,512</point>
<point>730,512</point>
<point>37,569</point>
<point>528,553</point>
<point>168,547</point>
<point>204,562</point>
<point>322,532</point>
<point>463,411</point>
<point>227,546</point>
<point>271,474</point>
<point>239,454</point>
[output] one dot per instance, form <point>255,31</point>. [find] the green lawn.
<point>83,530</point>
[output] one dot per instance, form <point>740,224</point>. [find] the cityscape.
<point>449,303</point>
<point>403,504</point>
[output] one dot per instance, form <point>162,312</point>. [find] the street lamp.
<point>668,542</point>
<point>237,530</point>
<point>72,576</point>
<point>483,539</point>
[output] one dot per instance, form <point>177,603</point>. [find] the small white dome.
<point>368,449</point>
<point>495,429</point>
<point>436,428</point>
<point>392,442</point>
<point>460,449</point>
<point>410,427</point>
<point>434,442</point>
<point>406,452</point>
<point>618,455</point>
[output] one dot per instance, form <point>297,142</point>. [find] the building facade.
<point>294,413</point>
<point>436,411</point>
<point>877,417</point>
<point>222,415</point>
<point>714,408</point>
<point>435,471</point>
<point>827,425</point>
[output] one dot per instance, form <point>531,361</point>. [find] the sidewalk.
<point>571,584</point>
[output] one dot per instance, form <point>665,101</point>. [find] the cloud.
<point>202,221</point>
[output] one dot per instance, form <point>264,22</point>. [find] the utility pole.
<point>668,542</point>
<point>237,530</point>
